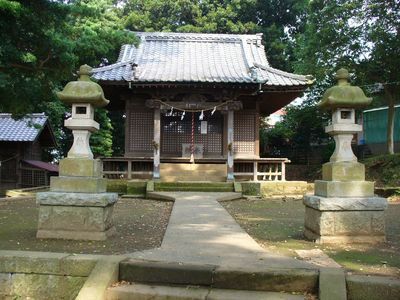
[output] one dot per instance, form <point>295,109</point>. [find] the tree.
<point>361,35</point>
<point>382,28</point>
<point>278,20</point>
<point>300,127</point>
<point>43,44</point>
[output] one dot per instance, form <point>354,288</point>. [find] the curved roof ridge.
<point>196,57</point>
<point>114,65</point>
<point>284,73</point>
<point>197,36</point>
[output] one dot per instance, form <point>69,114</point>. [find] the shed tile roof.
<point>194,57</point>
<point>26,129</point>
<point>42,165</point>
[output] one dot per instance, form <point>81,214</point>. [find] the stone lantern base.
<point>345,220</point>
<point>76,216</point>
<point>77,206</point>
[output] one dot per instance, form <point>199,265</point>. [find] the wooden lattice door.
<point>176,132</point>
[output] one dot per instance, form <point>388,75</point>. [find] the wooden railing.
<point>256,169</point>
<point>264,169</point>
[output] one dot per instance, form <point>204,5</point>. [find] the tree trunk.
<point>390,124</point>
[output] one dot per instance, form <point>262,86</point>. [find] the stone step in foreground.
<point>174,273</point>
<point>158,292</point>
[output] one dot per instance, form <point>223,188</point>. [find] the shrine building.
<point>193,104</point>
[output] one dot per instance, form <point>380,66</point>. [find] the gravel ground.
<point>140,225</point>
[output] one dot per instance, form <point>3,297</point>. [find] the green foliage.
<point>101,141</point>
<point>117,119</point>
<point>300,127</point>
<point>43,44</point>
<point>361,35</point>
<point>279,21</point>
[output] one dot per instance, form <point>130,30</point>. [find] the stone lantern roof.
<point>344,95</point>
<point>83,90</point>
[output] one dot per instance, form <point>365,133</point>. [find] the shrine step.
<point>297,281</point>
<point>159,292</point>
<point>193,186</point>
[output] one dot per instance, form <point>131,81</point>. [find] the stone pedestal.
<point>77,206</point>
<point>345,220</point>
<point>344,208</point>
<point>76,216</point>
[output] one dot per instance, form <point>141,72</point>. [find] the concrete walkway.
<point>201,231</point>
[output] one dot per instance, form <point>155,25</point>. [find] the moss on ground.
<point>194,186</point>
<point>116,186</point>
<point>136,188</point>
<point>278,226</point>
<point>251,188</point>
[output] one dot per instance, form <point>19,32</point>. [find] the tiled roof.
<point>194,57</point>
<point>42,165</point>
<point>22,130</point>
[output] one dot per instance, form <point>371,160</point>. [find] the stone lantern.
<point>78,206</point>
<point>344,208</point>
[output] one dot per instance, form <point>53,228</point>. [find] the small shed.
<point>375,122</point>
<point>22,142</point>
<point>191,97</point>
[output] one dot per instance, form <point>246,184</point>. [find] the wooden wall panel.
<point>139,137</point>
<point>245,133</point>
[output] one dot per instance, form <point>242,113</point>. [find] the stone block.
<point>332,284</point>
<point>237,187</point>
<point>104,274</point>
<point>150,186</point>
<point>134,187</point>
<point>343,171</point>
<point>325,188</point>
<point>157,292</point>
<point>75,218</point>
<point>172,172</point>
<point>79,264</point>
<point>5,285</point>
<point>372,287</point>
<point>378,223</point>
<point>166,273</point>
<point>80,167</point>
<point>76,199</point>
<point>78,184</point>
<point>341,204</point>
<point>319,222</point>
<point>282,188</point>
<point>274,280</point>
<point>223,294</point>
<point>352,222</point>
<point>343,239</point>
<point>31,262</point>
<point>76,235</point>
<point>39,286</point>
<point>251,188</point>
<point>344,226</point>
<point>116,186</point>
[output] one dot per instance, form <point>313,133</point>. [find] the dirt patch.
<point>140,225</point>
<point>278,226</point>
